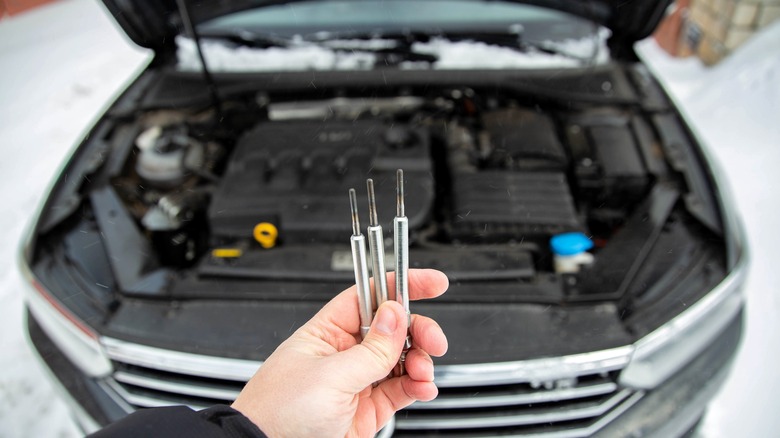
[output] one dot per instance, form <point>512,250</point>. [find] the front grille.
<point>146,387</point>
<point>574,405</point>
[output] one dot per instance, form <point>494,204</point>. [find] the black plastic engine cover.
<point>497,206</point>
<point>524,140</point>
<point>296,175</point>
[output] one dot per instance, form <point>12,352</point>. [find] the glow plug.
<point>401,246</point>
<point>376,246</point>
<point>358,242</point>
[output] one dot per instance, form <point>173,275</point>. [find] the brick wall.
<point>714,28</point>
<point>13,7</point>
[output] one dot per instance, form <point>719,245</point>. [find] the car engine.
<point>294,175</point>
<point>483,172</point>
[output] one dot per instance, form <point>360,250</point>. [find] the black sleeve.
<point>176,421</point>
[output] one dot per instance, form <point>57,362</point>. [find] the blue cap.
<point>567,244</point>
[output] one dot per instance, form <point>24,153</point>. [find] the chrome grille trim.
<point>472,421</point>
<point>176,387</point>
<point>534,370</point>
<point>444,401</point>
<point>585,431</point>
<point>122,402</point>
<point>498,373</point>
<point>178,362</point>
<point>144,401</point>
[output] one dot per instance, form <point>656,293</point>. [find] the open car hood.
<point>155,23</point>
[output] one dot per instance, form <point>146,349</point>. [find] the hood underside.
<point>155,23</point>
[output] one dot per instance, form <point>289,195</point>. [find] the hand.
<point>319,382</point>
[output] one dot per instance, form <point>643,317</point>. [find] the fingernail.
<point>385,320</point>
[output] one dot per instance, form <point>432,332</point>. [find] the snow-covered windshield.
<point>405,34</point>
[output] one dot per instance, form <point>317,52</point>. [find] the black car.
<point>594,256</point>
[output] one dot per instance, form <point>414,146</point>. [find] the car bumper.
<point>669,410</point>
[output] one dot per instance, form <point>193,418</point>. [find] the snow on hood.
<point>302,55</point>
<point>453,55</point>
<point>225,58</point>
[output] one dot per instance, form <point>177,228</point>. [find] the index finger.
<point>342,310</point>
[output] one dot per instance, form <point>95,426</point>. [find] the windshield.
<point>394,16</point>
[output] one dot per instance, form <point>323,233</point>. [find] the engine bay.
<point>495,177</point>
<point>259,201</point>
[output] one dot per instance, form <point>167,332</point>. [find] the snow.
<point>452,55</point>
<point>61,63</point>
<point>356,55</point>
<point>222,57</point>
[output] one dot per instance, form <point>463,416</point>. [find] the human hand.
<point>319,382</point>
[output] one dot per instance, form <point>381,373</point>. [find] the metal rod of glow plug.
<point>358,242</point>
<point>376,245</point>
<point>401,246</point>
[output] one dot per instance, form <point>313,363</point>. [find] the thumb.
<point>374,358</point>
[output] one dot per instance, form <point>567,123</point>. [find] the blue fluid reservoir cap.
<point>567,244</point>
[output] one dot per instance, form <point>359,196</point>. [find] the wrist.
<point>252,414</point>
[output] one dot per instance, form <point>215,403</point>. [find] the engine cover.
<point>296,175</point>
<point>496,206</point>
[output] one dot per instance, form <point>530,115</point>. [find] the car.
<point>595,257</point>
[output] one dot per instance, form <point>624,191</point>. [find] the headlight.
<point>663,352</point>
<point>76,340</point>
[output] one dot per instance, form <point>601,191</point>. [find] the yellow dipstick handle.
<point>227,253</point>
<point>265,233</point>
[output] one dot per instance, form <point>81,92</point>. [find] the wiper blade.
<point>246,38</point>
<point>393,57</point>
<point>391,48</point>
<point>400,35</point>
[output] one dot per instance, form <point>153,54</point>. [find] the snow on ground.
<point>61,63</point>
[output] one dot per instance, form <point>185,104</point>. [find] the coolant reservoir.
<point>570,251</point>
